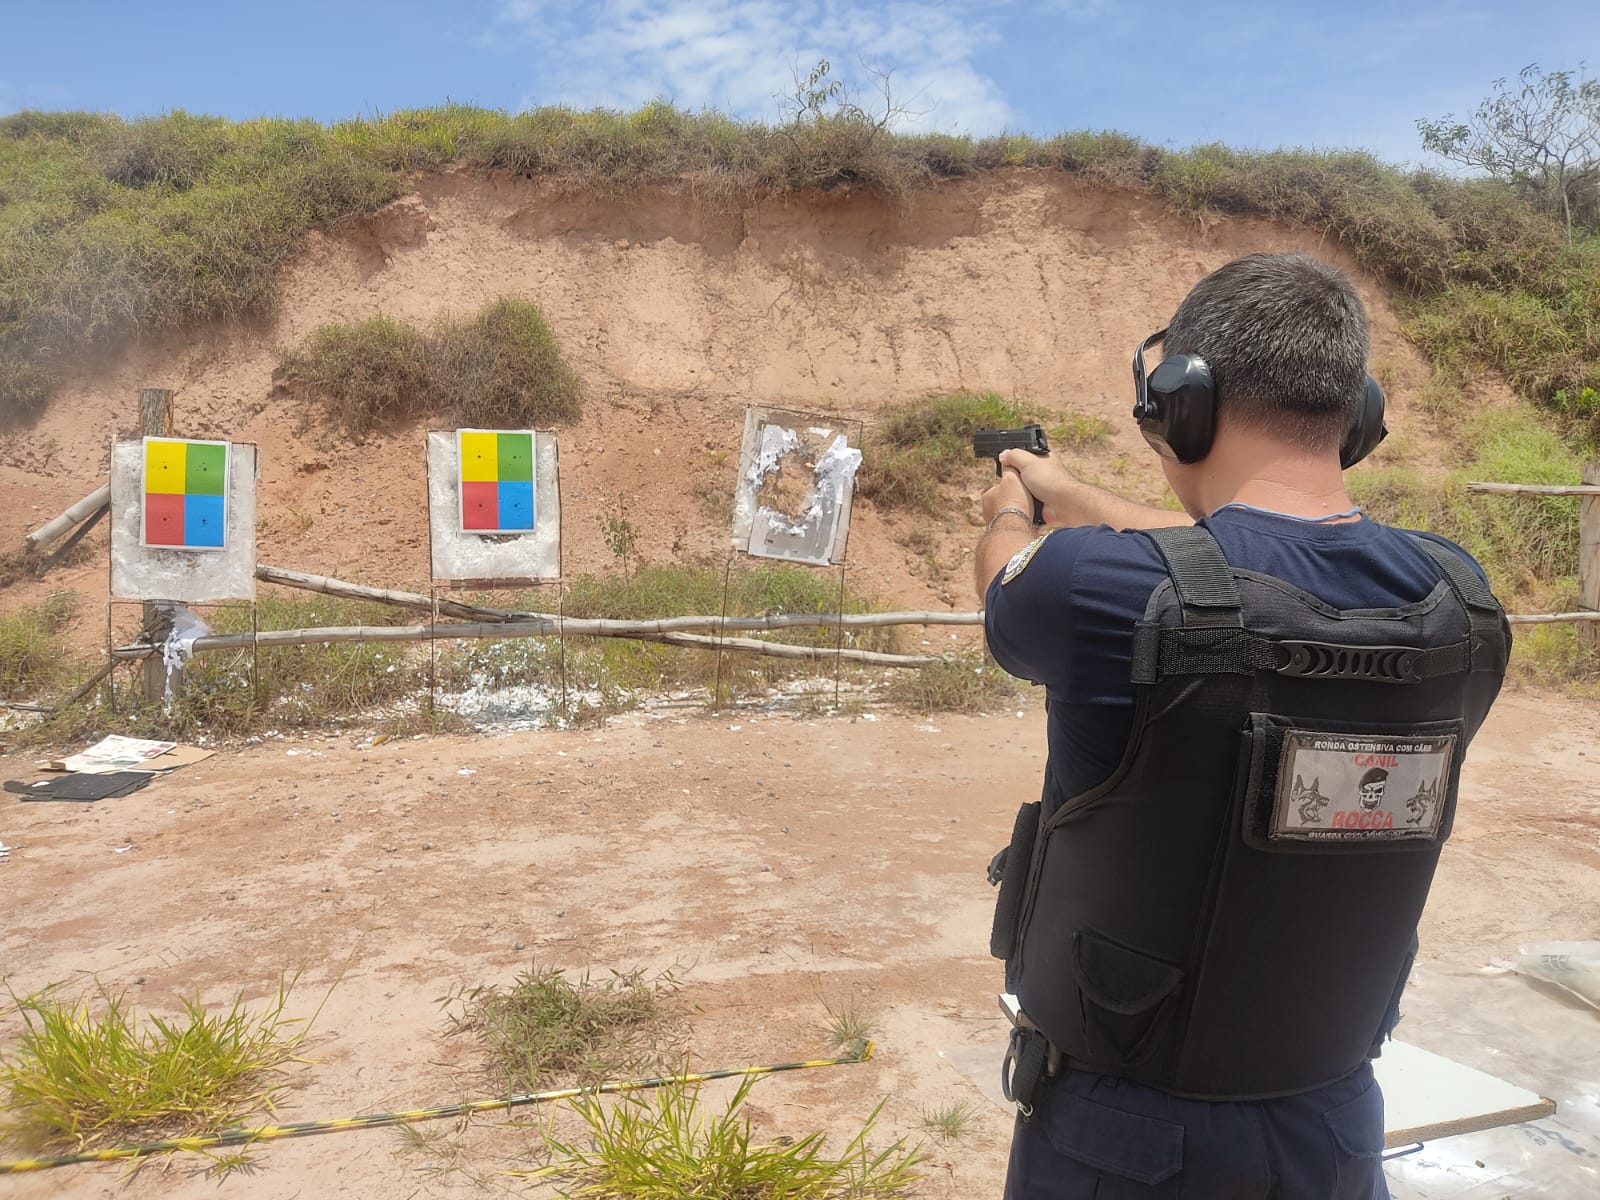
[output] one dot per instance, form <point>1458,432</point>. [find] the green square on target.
<point>516,457</point>
<point>206,471</point>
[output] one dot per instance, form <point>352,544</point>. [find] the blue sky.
<point>1293,73</point>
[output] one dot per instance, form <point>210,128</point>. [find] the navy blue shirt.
<point>1066,619</point>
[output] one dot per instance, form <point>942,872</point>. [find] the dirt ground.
<point>788,864</point>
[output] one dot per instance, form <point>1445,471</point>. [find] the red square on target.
<point>163,519</point>
<point>480,504</point>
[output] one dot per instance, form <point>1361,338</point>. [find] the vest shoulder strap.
<point>1463,581</point>
<point>1201,576</point>
<point>1483,611</point>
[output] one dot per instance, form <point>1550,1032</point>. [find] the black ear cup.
<point>1179,408</point>
<point>1368,428</point>
<point>1176,407</point>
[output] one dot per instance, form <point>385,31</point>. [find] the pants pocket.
<point>1356,1129</point>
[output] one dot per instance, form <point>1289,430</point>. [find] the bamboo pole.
<point>1584,618</point>
<point>495,630</point>
<point>607,626</point>
<point>1589,553</point>
<point>56,526</point>
<point>81,532</point>
<point>1589,487</point>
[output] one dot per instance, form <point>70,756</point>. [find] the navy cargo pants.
<point>1092,1137</point>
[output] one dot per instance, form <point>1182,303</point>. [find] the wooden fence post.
<point>155,420</point>
<point>1589,558</point>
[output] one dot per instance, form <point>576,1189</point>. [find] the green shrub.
<point>922,447</point>
<point>372,372</point>
<point>177,150</point>
<point>498,368</point>
<point>502,368</point>
<point>32,658</point>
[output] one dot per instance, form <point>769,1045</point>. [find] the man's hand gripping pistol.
<point>991,443</point>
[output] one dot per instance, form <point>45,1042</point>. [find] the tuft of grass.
<point>90,1072</point>
<point>848,1028</point>
<point>371,372</point>
<point>501,367</point>
<point>665,1146</point>
<point>32,659</point>
<point>1078,431</point>
<point>969,681</point>
<point>950,1121</point>
<point>923,447</point>
<point>498,368</point>
<point>545,1024</point>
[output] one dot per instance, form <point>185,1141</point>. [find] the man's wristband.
<point>1026,516</point>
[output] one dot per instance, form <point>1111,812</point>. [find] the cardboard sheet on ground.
<point>118,753</point>
<point>114,753</point>
<point>796,480</point>
<point>81,787</point>
<point>1425,1096</point>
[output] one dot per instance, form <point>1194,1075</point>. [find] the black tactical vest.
<point>1233,913</point>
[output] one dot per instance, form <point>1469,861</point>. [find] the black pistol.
<point>990,443</point>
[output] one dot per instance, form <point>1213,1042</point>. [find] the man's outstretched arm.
<point>1070,501</point>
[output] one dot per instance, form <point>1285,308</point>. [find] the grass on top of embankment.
<point>110,229</point>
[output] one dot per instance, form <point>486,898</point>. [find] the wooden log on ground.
<point>507,630</point>
<point>57,526</point>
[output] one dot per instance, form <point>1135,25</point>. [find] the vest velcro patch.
<point>1021,559</point>
<point>1341,787</point>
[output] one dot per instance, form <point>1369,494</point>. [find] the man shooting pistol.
<point>992,443</point>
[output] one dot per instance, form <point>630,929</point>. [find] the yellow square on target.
<point>165,467</point>
<point>480,457</point>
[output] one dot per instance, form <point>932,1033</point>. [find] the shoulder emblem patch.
<point>1020,560</point>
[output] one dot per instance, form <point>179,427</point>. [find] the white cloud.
<point>742,56</point>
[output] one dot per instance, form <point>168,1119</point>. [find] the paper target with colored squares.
<point>497,480</point>
<point>185,495</point>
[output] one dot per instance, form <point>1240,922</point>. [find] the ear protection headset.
<point>1176,407</point>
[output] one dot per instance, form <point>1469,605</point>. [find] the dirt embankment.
<point>677,317</point>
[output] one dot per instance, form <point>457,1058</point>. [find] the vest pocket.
<point>1014,863</point>
<point>1124,994</point>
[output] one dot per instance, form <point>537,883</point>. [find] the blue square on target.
<point>202,521</point>
<point>516,506</point>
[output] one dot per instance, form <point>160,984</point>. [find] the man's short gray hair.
<point>1285,336</point>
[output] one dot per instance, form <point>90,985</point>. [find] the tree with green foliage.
<point>1541,134</point>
